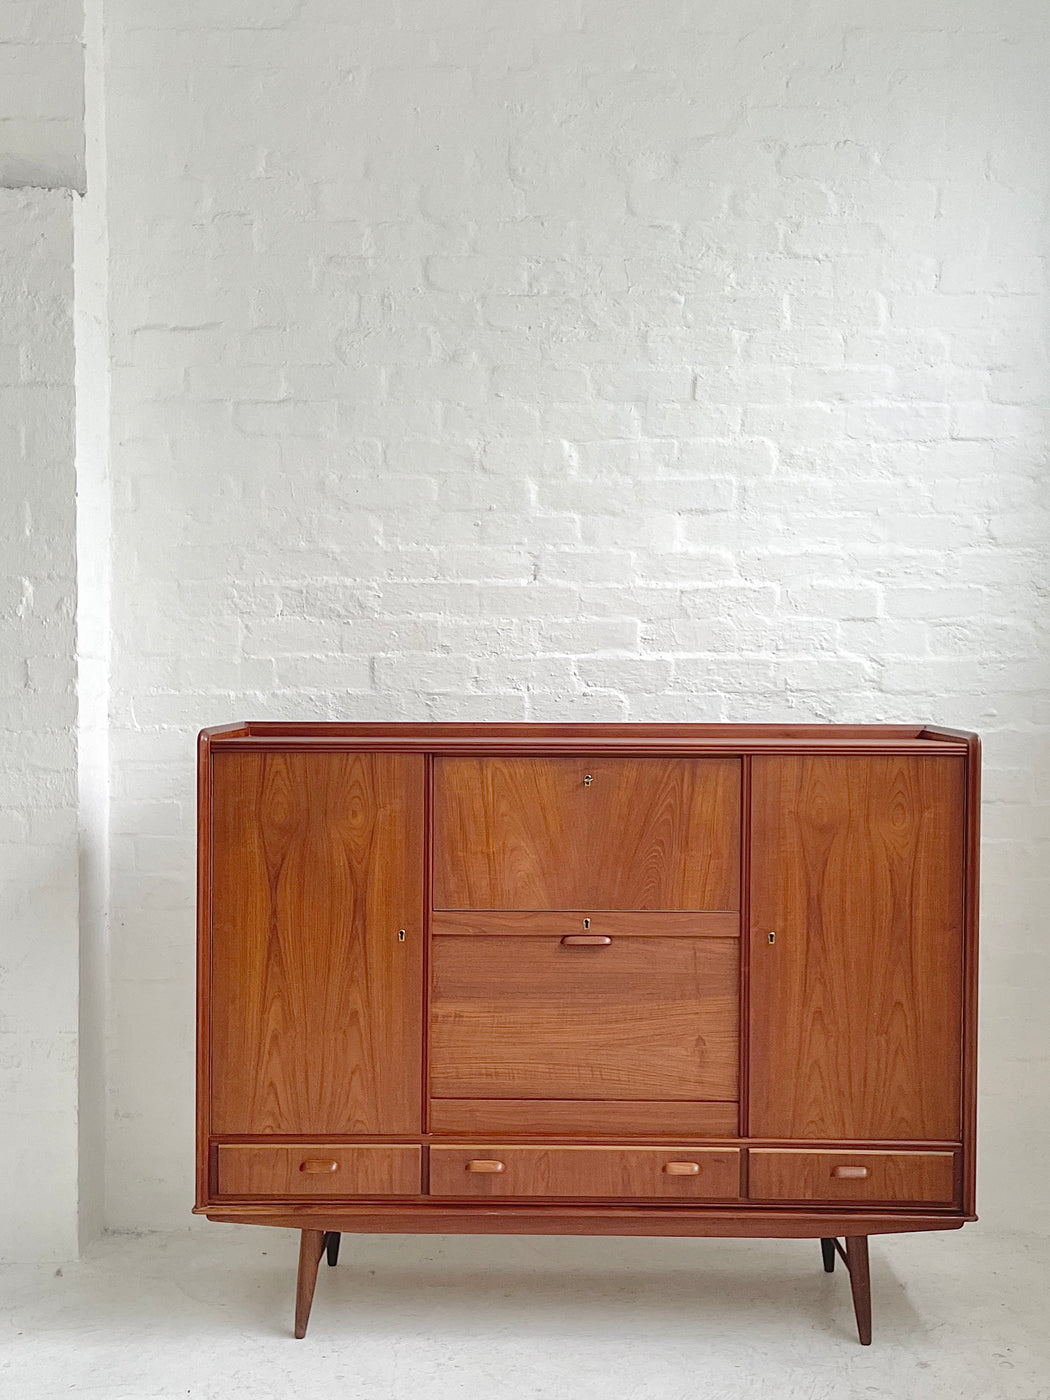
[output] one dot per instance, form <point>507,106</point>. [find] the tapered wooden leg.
<point>827,1249</point>
<point>331,1244</point>
<point>860,1284</point>
<point>311,1247</point>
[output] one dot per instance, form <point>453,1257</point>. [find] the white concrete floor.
<point>207,1314</point>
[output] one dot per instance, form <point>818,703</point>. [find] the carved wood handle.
<point>586,940</point>
<point>318,1165</point>
<point>850,1173</point>
<point>682,1168</point>
<point>484,1165</point>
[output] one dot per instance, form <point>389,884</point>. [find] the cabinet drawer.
<point>620,1172</point>
<point>926,1178</point>
<point>536,1018</point>
<point>309,1169</point>
<point>575,833</point>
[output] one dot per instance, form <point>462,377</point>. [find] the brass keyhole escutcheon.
<point>588,779</point>
<point>771,937</point>
<point>586,923</point>
<point>401,935</point>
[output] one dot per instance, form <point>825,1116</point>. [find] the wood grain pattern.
<point>664,923</point>
<point>250,1169</point>
<point>971,973</point>
<point>202,1104</point>
<point>855,1027</point>
<point>856,1252</point>
<point>529,833</point>
<point>609,1172</point>
<point>873,1021</point>
<point>316,1008</point>
<point>538,747</point>
<point>803,1175</point>
<point>442,1216</point>
<point>654,740</point>
<point>481,732</point>
<point>583,1118</point>
<point>652,1018</point>
<point>311,1247</point>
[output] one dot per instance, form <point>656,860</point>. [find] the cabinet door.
<point>316,1004</point>
<point>533,1018</point>
<point>856,1006</point>
<point>576,833</point>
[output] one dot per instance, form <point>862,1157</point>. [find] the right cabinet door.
<point>856,956</point>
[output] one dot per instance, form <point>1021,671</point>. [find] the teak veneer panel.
<point>532,833</point>
<point>857,866</point>
<point>317,1169</point>
<point>623,1118</point>
<point>699,1173</point>
<point>316,1011</point>
<point>589,740</point>
<point>729,1220</point>
<point>480,733</point>
<point>527,1017</point>
<point>926,1178</point>
<point>615,923</point>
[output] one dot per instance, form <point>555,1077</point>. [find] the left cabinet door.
<point>316,1002</point>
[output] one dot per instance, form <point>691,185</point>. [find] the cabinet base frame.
<point>321,1227</point>
<point>316,1243</point>
<point>694,1222</point>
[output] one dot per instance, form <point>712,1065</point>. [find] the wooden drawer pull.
<point>319,1166</point>
<point>481,1164</point>
<point>586,940</point>
<point>682,1168</point>
<point>850,1173</point>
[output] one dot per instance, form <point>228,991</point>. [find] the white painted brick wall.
<point>41,93</point>
<point>578,359</point>
<point>94,582</point>
<point>38,777</point>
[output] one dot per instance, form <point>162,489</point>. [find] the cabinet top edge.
<point>553,738</point>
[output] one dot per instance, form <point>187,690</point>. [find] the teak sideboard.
<point>623,979</point>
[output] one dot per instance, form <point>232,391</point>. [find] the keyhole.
<point>586,923</point>
<point>401,935</point>
<point>772,937</point>
<point>587,779</point>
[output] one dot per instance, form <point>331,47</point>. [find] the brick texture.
<point>41,94</point>
<point>592,359</point>
<point>38,717</point>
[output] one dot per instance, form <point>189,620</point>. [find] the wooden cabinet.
<point>610,979</point>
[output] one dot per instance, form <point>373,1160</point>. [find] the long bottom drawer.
<point>637,1173</point>
<point>776,1175</point>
